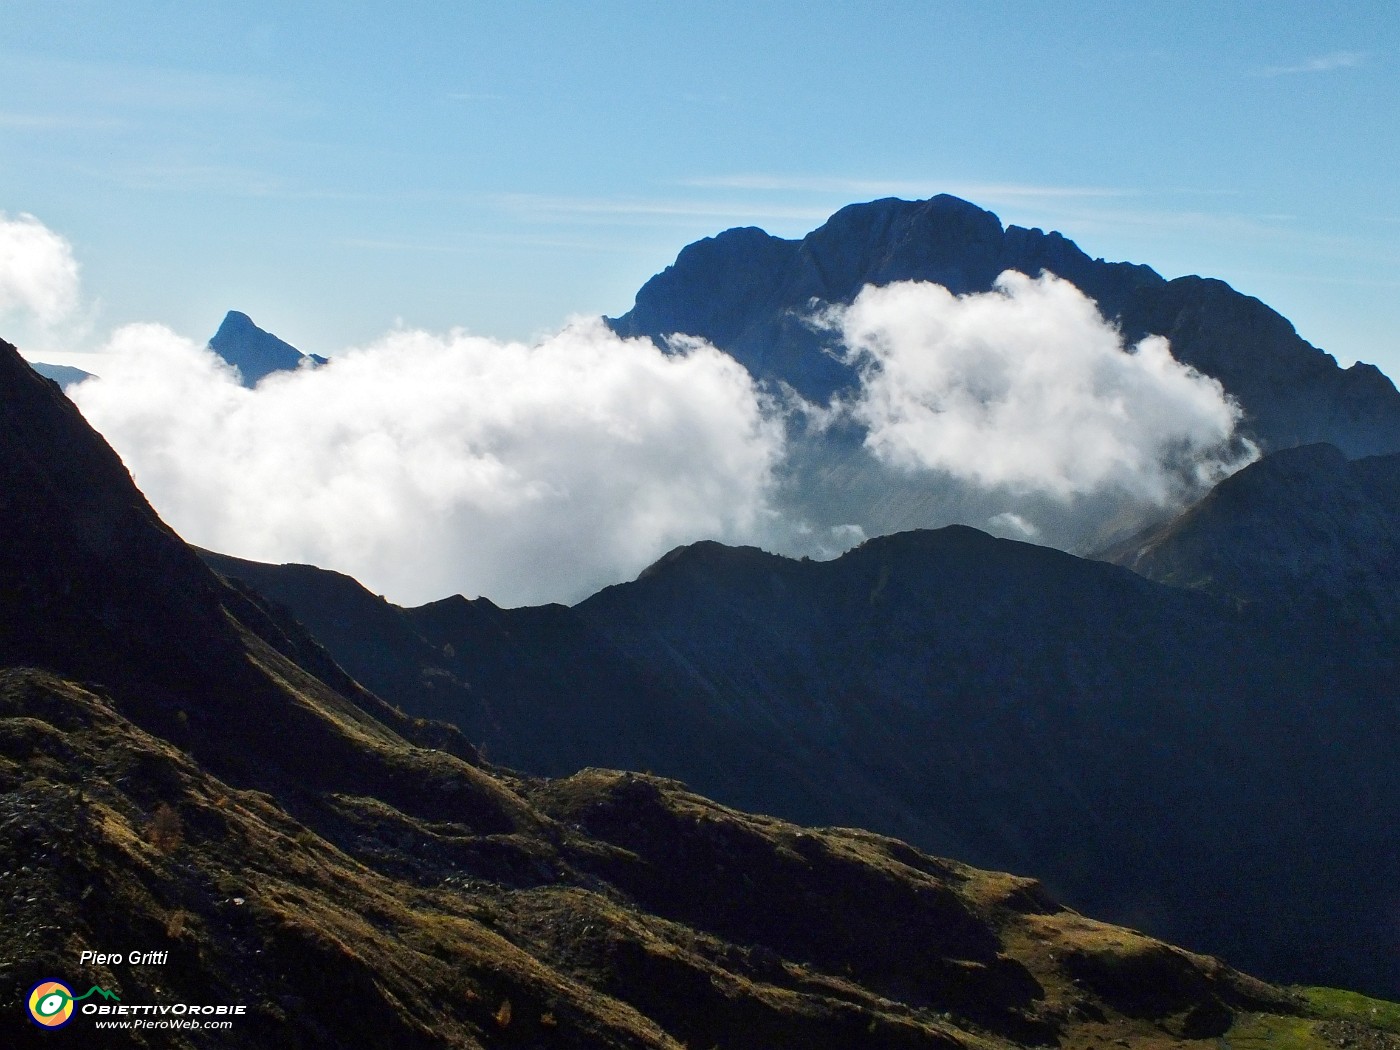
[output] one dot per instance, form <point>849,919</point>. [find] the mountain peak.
<point>711,555</point>
<point>753,295</point>
<point>256,353</point>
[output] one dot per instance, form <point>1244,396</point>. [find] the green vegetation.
<point>1328,1017</point>
<point>1272,1032</point>
<point>1341,1005</point>
<point>605,910</point>
<point>356,879</point>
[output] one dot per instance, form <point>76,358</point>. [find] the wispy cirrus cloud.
<point>1084,208</point>
<point>225,179</point>
<point>818,196</point>
<point>652,211</point>
<point>374,244</point>
<point>791,205</point>
<point>874,187</point>
<point>140,92</point>
<point>57,122</point>
<point>1328,63</point>
<point>775,199</point>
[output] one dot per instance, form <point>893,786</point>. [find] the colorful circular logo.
<point>51,1004</point>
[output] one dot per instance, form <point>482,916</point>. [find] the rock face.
<point>254,352</point>
<point>988,699</point>
<point>751,294</point>
<point>182,769</point>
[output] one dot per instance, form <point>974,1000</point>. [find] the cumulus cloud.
<point>1027,391</point>
<point>426,465</point>
<point>38,274</point>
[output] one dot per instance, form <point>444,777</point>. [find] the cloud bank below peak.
<point>426,465</point>
<point>1027,389</point>
<point>1327,63</point>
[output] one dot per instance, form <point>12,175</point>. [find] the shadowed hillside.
<point>994,700</point>
<point>1304,528</point>
<point>174,777</point>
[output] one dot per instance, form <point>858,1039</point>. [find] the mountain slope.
<point>509,678</point>
<point>644,916</point>
<point>1025,710</point>
<point>751,294</point>
<point>989,699</point>
<point>1303,527</point>
<point>174,778</point>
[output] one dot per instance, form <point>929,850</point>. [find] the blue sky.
<point>335,168</point>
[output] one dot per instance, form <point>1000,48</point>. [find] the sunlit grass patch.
<point>1351,1006</point>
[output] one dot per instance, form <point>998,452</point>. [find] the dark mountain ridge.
<point>1304,528</point>
<point>182,769</point>
<point>752,295</point>
<point>991,699</point>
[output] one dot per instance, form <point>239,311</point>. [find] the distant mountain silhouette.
<point>254,352</point>
<point>1140,747</point>
<point>64,375</point>
<point>751,294</point>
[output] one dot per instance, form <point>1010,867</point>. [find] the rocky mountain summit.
<point>753,295</point>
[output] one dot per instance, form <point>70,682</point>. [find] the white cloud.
<point>847,188</point>
<point>38,274</point>
<point>1327,63</point>
<point>1008,523</point>
<point>1027,390</point>
<point>650,211</point>
<point>425,465</point>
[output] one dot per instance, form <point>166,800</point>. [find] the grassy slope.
<point>607,909</point>
<point>354,885</point>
